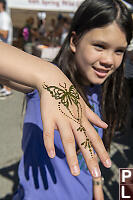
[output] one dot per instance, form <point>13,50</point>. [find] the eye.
<point>99,47</point>
<point>120,52</point>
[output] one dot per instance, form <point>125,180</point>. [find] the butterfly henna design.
<point>67,98</point>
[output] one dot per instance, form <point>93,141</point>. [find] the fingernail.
<point>96,172</point>
<point>105,124</point>
<point>108,163</point>
<point>52,153</point>
<point>75,170</point>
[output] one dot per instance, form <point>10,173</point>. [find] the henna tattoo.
<point>67,98</point>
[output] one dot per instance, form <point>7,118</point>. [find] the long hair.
<point>94,14</point>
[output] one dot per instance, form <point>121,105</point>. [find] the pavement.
<point>11,118</point>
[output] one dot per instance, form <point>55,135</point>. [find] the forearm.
<point>23,68</point>
<point>16,86</point>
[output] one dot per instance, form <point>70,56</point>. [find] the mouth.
<point>101,73</point>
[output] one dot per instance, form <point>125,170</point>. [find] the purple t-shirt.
<point>42,178</point>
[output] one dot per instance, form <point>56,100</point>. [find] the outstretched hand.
<point>63,108</point>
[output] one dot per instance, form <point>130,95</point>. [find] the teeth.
<point>100,70</point>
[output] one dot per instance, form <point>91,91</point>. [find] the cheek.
<point>86,56</point>
<point>94,56</point>
<point>91,56</point>
<point>118,62</point>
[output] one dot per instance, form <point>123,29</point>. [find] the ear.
<point>72,42</point>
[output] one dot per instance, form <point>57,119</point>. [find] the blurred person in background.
<point>65,29</point>
<point>6,35</point>
<point>52,25</point>
<point>59,28</point>
<point>42,24</point>
<point>51,33</point>
<point>28,34</point>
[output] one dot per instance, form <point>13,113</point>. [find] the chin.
<point>97,81</point>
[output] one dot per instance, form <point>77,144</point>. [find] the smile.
<point>101,73</point>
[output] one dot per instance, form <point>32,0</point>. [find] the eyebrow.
<point>107,45</point>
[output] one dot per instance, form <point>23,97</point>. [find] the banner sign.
<point>46,5</point>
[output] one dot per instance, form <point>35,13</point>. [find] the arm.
<point>4,33</point>
<point>20,67</point>
<point>16,86</point>
<point>28,70</point>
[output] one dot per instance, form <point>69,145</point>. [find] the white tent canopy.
<point>46,5</point>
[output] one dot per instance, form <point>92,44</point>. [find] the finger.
<point>35,177</point>
<point>26,170</point>
<point>43,177</point>
<point>48,127</point>
<point>93,118</point>
<point>68,141</point>
<point>89,156</point>
<point>97,144</point>
<point>96,141</point>
<point>48,135</point>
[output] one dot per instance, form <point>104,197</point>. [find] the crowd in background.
<point>52,35</point>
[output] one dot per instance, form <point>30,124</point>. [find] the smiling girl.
<point>92,57</point>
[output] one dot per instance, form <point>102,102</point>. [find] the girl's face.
<point>99,52</point>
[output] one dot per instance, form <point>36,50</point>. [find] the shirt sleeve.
<point>31,94</point>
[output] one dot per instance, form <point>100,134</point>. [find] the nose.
<point>107,59</point>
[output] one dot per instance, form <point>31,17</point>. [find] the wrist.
<point>49,74</point>
<point>43,74</point>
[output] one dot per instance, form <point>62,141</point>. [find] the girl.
<point>92,55</point>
